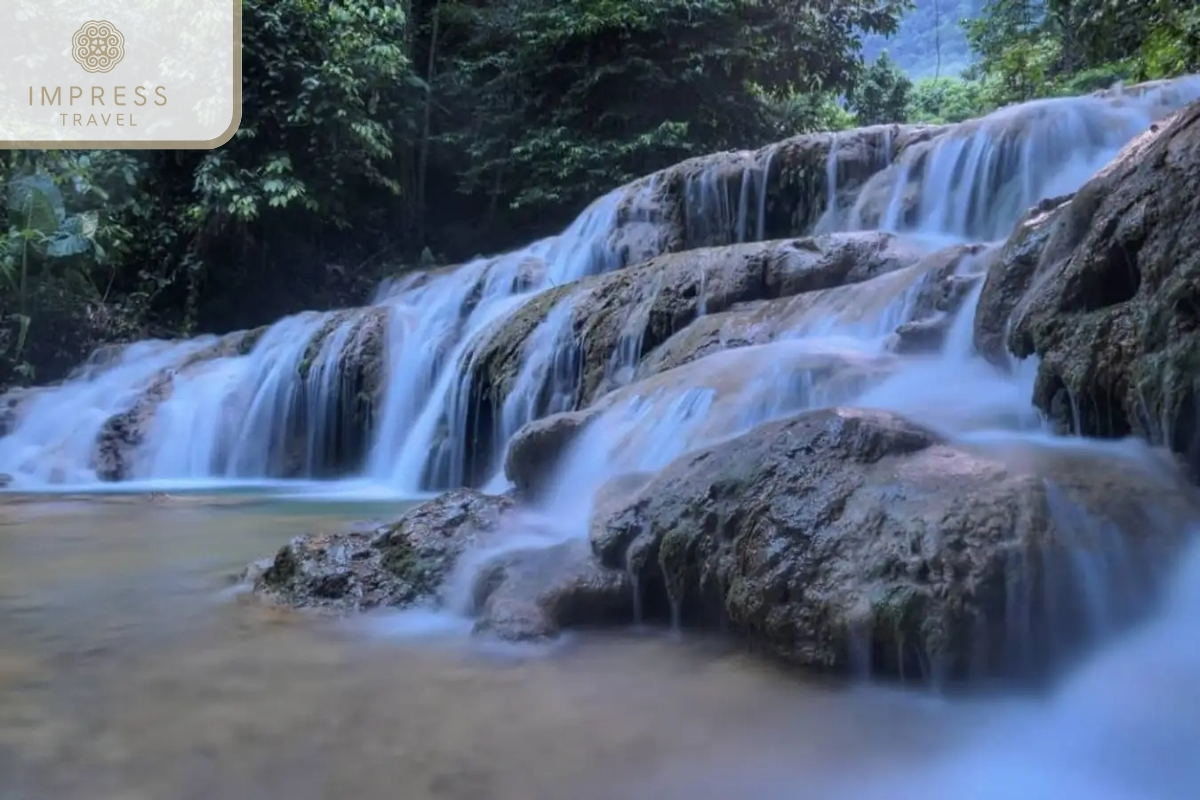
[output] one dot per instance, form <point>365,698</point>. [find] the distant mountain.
<point>915,46</point>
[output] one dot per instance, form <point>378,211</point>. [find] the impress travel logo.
<point>98,46</point>
<point>164,74</point>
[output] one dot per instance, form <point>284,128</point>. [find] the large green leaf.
<point>38,203</point>
<point>74,236</point>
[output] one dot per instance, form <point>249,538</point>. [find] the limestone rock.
<point>115,452</point>
<point>619,317</point>
<point>863,292</point>
<point>536,594</point>
<point>1111,307</point>
<point>390,565</point>
<point>536,448</point>
<point>840,538</point>
<point>1009,277</point>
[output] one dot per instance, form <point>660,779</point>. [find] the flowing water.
<point>130,668</point>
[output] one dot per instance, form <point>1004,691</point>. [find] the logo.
<point>98,46</point>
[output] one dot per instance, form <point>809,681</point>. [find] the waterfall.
<point>976,181</point>
<point>396,393</point>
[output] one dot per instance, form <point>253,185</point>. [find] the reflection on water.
<point>127,670</point>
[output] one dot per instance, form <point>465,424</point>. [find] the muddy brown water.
<point>129,669</point>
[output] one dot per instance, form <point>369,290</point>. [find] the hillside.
<point>931,26</point>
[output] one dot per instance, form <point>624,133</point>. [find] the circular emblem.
<point>98,46</point>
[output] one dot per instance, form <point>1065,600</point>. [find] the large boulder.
<point>538,447</point>
<point>841,538</point>
<point>1111,307</point>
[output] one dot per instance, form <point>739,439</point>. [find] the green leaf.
<point>38,202</point>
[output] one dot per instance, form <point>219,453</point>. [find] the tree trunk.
<point>423,159</point>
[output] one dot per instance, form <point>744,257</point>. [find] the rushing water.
<point>283,408</point>
<point>125,671</point>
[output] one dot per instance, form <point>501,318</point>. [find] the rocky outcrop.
<point>618,318</point>
<point>928,287</point>
<point>394,565</point>
<point>780,190</point>
<point>1010,276</point>
<point>518,595</point>
<point>840,537</point>
<point>1108,296</point>
<point>345,363</point>
<point>535,450</point>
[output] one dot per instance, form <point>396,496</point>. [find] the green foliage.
<point>1031,48</point>
<point>930,40</point>
<point>326,85</point>
<point>63,235</point>
<point>569,98</point>
<point>946,100</point>
<point>882,94</point>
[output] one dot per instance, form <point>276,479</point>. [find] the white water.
<point>254,417</point>
<point>977,181</point>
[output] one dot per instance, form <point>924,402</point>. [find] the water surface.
<point>129,669</point>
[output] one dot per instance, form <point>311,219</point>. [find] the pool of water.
<point>130,668</point>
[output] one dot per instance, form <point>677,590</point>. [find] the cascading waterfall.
<point>278,411</point>
<point>975,182</point>
<point>425,428</point>
<point>291,407</point>
<point>714,215</point>
<point>53,440</point>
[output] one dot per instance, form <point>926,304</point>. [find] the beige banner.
<point>120,74</point>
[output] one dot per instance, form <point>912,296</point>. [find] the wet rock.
<point>536,594</point>
<point>865,293</point>
<point>843,539</point>
<point>1111,307</point>
<point>11,404</point>
<point>352,391</point>
<point>782,189</point>
<point>114,455</point>
<point>1009,277</point>
<point>619,317</point>
<point>707,399</point>
<point>537,447</point>
<point>923,336</point>
<point>395,564</point>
